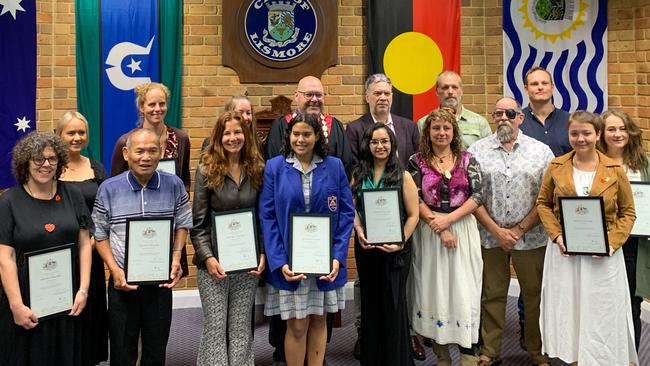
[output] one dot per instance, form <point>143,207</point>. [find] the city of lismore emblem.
<point>280,30</point>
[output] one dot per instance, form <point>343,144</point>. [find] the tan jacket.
<point>610,182</point>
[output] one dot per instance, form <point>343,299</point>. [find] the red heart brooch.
<point>49,227</point>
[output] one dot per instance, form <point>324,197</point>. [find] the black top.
<point>554,132</point>
<point>88,187</point>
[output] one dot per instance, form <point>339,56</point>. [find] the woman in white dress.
<point>447,268</point>
<point>585,307</point>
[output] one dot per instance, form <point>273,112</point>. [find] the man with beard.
<point>512,165</point>
<point>309,98</point>
<point>542,121</point>
<point>379,96</point>
<point>473,126</point>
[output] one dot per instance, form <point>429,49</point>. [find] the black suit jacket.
<point>406,132</point>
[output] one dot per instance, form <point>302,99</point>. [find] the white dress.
<point>585,313</point>
<point>445,284</point>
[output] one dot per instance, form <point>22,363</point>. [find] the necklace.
<point>441,159</point>
<point>441,169</point>
<point>49,194</point>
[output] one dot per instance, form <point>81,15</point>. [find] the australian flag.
<point>17,79</point>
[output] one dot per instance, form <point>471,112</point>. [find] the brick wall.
<point>208,85</point>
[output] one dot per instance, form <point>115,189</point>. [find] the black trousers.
<point>278,328</point>
<point>145,313</point>
<point>630,250</point>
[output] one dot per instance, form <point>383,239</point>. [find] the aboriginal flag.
<point>412,41</point>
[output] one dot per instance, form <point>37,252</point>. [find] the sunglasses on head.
<point>510,113</point>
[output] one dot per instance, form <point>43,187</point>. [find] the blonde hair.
<point>141,94</point>
<point>66,118</point>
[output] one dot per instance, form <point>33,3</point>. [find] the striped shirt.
<point>122,197</point>
<point>305,175</point>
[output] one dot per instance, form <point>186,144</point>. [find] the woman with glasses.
<point>383,269</point>
<point>585,314</point>
<point>39,213</point>
<point>446,275</point>
<point>86,175</point>
<point>621,141</point>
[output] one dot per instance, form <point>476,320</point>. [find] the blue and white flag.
<point>130,54</point>
<point>17,79</point>
<point>568,38</point>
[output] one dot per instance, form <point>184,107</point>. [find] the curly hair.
<point>32,146</point>
<point>426,146</point>
<point>141,95</point>
<point>393,172</point>
<point>214,162</point>
<point>320,148</point>
<point>633,154</point>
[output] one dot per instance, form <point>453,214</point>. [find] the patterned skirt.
<point>306,300</point>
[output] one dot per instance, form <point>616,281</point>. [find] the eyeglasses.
<point>510,113</point>
<point>384,142</point>
<point>310,95</point>
<point>39,160</point>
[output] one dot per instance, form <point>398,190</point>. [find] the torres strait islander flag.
<point>17,79</point>
<point>120,45</point>
<point>412,41</point>
<point>568,38</point>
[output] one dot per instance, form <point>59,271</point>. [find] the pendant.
<point>50,227</point>
<point>447,174</point>
<point>440,160</point>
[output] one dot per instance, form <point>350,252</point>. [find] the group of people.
<point>471,203</point>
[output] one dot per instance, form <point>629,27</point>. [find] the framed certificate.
<point>382,216</point>
<point>148,256</point>
<point>234,238</point>
<point>50,281</point>
<point>641,193</point>
<point>583,225</point>
<point>167,165</point>
<point>310,244</point>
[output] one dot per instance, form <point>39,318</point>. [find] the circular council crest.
<point>280,30</point>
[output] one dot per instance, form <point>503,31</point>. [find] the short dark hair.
<point>32,146</point>
<point>320,148</point>
<point>537,68</point>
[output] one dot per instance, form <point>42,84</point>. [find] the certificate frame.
<point>583,218</point>
<point>233,222</point>
<point>168,165</point>
<point>51,262</point>
<point>313,224</point>
<point>641,195</point>
<point>373,199</point>
<point>161,262</point>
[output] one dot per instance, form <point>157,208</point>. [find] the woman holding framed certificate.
<point>151,101</point>
<point>621,141</point>
<point>306,214</point>
<point>585,312</point>
<point>383,268</point>
<point>87,175</point>
<point>227,182</point>
<point>446,243</point>
<point>45,259</point>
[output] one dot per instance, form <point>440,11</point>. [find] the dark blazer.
<point>119,165</point>
<point>338,143</point>
<point>282,195</point>
<point>406,132</point>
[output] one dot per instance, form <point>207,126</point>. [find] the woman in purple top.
<point>446,272</point>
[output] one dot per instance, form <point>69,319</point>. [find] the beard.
<point>311,106</point>
<point>451,103</point>
<point>505,132</point>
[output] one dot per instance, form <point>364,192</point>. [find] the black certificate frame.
<point>605,249</point>
<point>400,217</point>
<point>292,246</point>
<point>127,244</point>
<point>215,242</point>
<point>28,300</point>
<point>646,232</point>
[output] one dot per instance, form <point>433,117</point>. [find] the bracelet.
<point>84,292</point>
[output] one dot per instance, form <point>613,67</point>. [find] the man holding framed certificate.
<point>156,208</point>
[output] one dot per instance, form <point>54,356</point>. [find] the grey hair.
<point>449,73</point>
<point>66,118</point>
<point>141,131</point>
<point>518,108</point>
<point>377,78</point>
<point>32,146</point>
